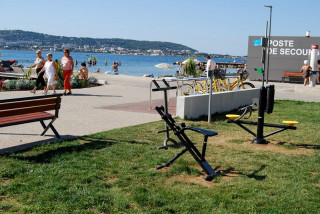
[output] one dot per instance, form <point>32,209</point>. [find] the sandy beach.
<point>122,101</point>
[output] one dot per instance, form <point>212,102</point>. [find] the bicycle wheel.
<point>246,85</point>
<point>193,89</point>
<point>186,88</point>
<point>197,89</point>
<point>217,86</point>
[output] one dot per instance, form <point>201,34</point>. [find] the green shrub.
<point>23,84</point>
<point>75,81</point>
<point>190,68</point>
<point>92,81</point>
<point>11,85</point>
<point>58,84</point>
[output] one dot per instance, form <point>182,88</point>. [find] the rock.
<point>102,82</point>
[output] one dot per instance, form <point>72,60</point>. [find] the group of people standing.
<point>49,68</point>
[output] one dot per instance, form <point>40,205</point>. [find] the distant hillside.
<point>24,40</point>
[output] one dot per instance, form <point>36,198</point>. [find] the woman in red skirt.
<point>67,67</point>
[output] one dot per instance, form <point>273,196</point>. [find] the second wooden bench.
<point>31,109</point>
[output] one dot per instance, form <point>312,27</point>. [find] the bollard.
<point>314,65</point>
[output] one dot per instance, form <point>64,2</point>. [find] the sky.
<point>210,26</point>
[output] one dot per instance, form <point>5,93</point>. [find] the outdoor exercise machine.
<point>167,130</point>
<point>179,130</point>
<point>264,104</point>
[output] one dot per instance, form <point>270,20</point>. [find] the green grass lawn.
<point>114,171</point>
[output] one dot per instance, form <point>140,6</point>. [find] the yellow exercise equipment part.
<point>232,116</point>
<point>290,123</point>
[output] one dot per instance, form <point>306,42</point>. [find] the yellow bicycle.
<point>238,83</point>
<point>202,87</point>
<point>219,84</point>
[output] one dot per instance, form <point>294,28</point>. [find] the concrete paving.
<point>123,101</point>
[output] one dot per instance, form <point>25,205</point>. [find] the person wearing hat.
<point>305,70</point>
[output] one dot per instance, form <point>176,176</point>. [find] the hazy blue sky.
<point>213,26</point>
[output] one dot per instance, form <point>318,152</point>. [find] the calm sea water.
<point>130,64</point>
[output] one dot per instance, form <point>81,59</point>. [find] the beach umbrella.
<point>93,58</point>
<point>164,66</point>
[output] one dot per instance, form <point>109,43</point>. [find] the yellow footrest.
<point>232,116</point>
<point>290,123</point>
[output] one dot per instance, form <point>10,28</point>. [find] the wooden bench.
<point>30,109</point>
<point>292,76</point>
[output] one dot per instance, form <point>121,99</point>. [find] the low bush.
<point>11,85</point>
<point>76,82</point>
<point>24,84</point>
<point>92,81</point>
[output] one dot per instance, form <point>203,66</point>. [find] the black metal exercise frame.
<point>266,102</point>
<point>179,130</point>
<point>165,89</point>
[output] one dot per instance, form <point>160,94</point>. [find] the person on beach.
<point>50,68</point>
<point>76,63</point>
<point>115,68</point>
<point>245,66</point>
<point>67,64</point>
<point>105,63</point>
<point>83,71</point>
<point>211,65</point>
<point>38,65</point>
<point>305,70</point>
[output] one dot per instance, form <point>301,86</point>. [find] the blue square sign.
<point>257,42</point>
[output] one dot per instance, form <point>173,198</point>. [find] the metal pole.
<point>264,57</point>
<point>262,103</point>
<point>269,6</point>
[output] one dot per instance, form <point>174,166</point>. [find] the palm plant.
<point>190,68</point>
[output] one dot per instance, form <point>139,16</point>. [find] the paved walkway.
<point>123,101</point>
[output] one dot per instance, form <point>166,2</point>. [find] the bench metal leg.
<point>43,125</point>
<point>49,126</point>
<point>55,131</point>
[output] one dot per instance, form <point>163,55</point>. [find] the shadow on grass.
<point>46,157</point>
<point>231,170</point>
<point>299,146</point>
<point>218,117</point>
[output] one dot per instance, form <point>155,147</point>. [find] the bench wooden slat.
<point>27,110</point>
<point>292,74</point>
<point>29,103</point>
<point>26,117</point>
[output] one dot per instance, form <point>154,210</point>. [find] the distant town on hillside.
<point>25,40</point>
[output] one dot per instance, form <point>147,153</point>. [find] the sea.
<point>132,65</point>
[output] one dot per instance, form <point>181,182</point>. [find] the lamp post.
<point>269,6</point>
